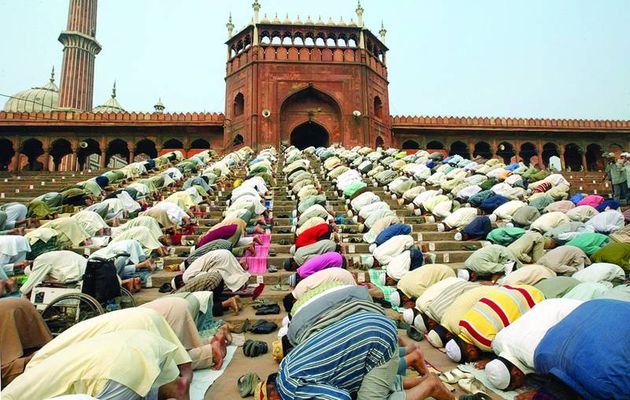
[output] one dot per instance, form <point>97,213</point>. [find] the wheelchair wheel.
<point>70,309</point>
<point>126,299</point>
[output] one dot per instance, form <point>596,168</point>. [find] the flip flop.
<point>414,334</point>
<point>272,268</point>
<point>270,309</point>
<point>247,384</point>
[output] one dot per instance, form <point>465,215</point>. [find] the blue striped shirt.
<point>332,363</point>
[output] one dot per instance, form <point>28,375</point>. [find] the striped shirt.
<point>442,302</point>
<point>332,363</point>
<point>495,311</point>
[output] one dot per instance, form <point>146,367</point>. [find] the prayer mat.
<point>203,378</point>
<point>257,264</point>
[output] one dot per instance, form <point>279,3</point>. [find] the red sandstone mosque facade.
<point>303,82</point>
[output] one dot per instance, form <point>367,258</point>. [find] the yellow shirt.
<point>131,358</point>
<point>461,305</point>
<point>143,319</point>
<point>495,311</point>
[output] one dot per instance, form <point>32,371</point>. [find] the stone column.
<point>46,161</point>
<point>131,155</point>
<point>584,166</point>
<point>539,148</point>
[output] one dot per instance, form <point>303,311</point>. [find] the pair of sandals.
<point>254,348</point>
<point>412,332</point>
<point>467,382</point>
<point>268,309</point>
<point>247,384</point>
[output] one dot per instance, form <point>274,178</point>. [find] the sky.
<point>533,58</point>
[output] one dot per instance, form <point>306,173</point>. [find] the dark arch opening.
<point>460,149</point>
<point>200,144</point>
<point>309,134</point>
<point>58,150</point>
<point>173,144</point>
<point>6,154</point>
<point>594,159</point>
<point>32,148</point>
<point>506,152</point>
<point>528,151</point>
<point>117,147</point>
<point>411,145</point>
<point>435,145</point>
<point>86,149</point>
<point>549,150</point>
<point>239,104</point>
<point>146,147</point>
<point>482,149</point>
<point>238,140</point>
<point>378,107</point>
<point>380,142</point>
<point>573,157</point>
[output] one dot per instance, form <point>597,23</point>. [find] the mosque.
<point>303,81</point>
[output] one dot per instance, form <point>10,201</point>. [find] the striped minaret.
<point>79,53</point>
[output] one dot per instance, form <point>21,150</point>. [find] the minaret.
<point>359,11</point>
<point>79,54</point>
<point>256,7</point>
<point>230,27</point>
<point>382,32</point>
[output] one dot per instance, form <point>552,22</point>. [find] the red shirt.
<point>313,235</point>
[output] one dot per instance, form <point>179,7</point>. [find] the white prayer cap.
<point>182,267</point>
<point>394,298</point>
<point>417,212</point>
<point>347,201</point>
<point>285,320</point>
<point>492,217</point>
<point>408,315</point>
<point>368,262</point>
<point>453,351</point>
<point>463,274</point>
<point>418,322</point>
<point>355,219</point>
<point>394,197</point>
<point>383,278</point>
<point>283,331</point>
<point>434,338</point>
<point>410,207</point>
<point>294,213</point>
<point>459,236</point>
<point>349,213</point>
<point>293,229</point>
<point>498,374</point>
<point>509,225</point>
<point>372,247</point>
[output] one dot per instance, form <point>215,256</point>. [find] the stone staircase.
<point>25,186</point>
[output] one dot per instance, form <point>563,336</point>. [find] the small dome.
<point>276,20</point>
<point>110,106</point>
<point>352,23</point>
<point>308,21</point>
<point>330,22</point>
<point>287,21</point>
<point>38,99</point>
<point>298,21</point>
<point>341,22</point>
<point>265,19</point>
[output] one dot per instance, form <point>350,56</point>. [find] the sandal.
<point>261,303</point>
<point>165,288</point>
<point>272,268</point>
<point>453,376</point>
<point>247,384</point>
<point>471,385</point>
<point>476,396</point>
<point>254,348</point>
<point>270,309</point>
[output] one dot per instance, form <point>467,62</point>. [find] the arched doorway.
<point>306,110</point>
<point>32,149</point>
<point>483,150</point>
<point>59,149</point>
<point>89,154</point>
<point>506,152</point>
<point>594,159</point>
<point>309,134</point>
<point>379,142</point>
<point>6,154</point>
<point>410,145</point>
<point>460,149</point>
<point>145,149</point>
<point>573,157</point>
<point>529,153</point>
<point>549,150</point>
<point>435,145</point>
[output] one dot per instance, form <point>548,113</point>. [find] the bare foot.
<point>415,360</point>
<point>258,240</point>
<point>219,349</point>
<point>259,230</point>
<point>251,249</point>
<point>10,285</point>
<point>244,264</point>
<point>232,304</point>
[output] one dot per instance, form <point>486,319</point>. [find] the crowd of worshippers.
<point>618,174</point>
<point>147,351</point>
<point>560,262</point>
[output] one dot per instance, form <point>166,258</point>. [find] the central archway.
<point>309,134</point>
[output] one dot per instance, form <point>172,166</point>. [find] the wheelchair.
<point>64,304</point>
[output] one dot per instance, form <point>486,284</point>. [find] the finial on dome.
<point>159,107</point>
<point>52,75</point>
<point>114,91</point>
